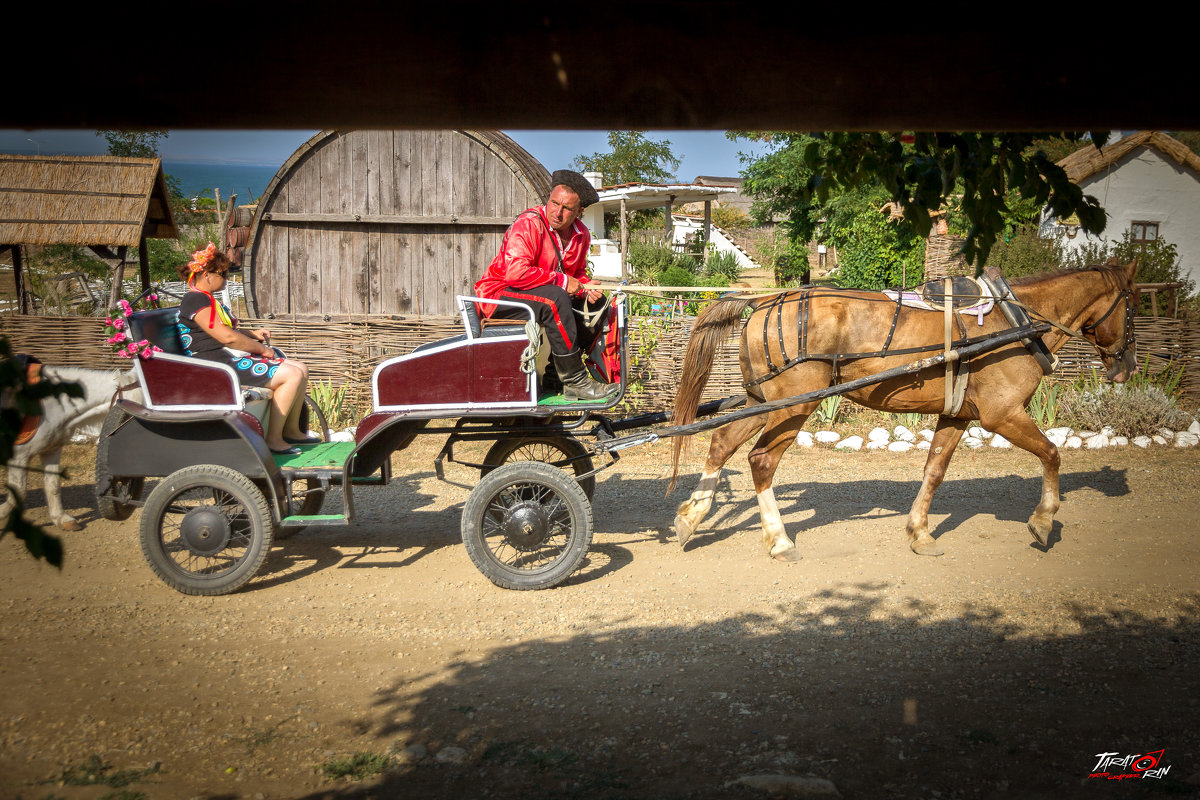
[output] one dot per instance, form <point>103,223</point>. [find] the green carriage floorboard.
<point>561,400</point>
<point>326,455</point>
<point>313,519</point>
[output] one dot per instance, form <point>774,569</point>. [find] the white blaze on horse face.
<point>774,535</point>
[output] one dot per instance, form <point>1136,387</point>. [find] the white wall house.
<point>606,255</point>
<point>1147,183</point>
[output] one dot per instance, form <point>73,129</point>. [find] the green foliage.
<point>1043,406</point>
<point>826,414</point>
<point>677,275</point>
<point>1027,253</point>
<point>873,252</point>
<point>133,144</point>
<point>729,218</point>
<point>332,402</point>
<point>650,258</point>
<point>1130,410</point>
<point>96,771</point>
<point>1158,262</point>
<point>723,264</point>
<point>979,172</point>
<point>357,767</point>
<point>632,159</point>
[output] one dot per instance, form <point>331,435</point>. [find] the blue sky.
<point>701,152</point>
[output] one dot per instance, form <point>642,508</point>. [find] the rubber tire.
<point>132,487</point>
<point>508,450</point>
<point>242,492</point>
<point>493,493</point>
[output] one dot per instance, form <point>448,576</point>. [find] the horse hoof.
<point>791,554</point>
<point>929,548</point>
<point>683,530</point>
<point>71,526</point>
<point>1038,534</point>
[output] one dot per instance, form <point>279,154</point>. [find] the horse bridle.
<point>1129,337</point>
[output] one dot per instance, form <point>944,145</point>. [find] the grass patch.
<point>357,767</point>
<point>97,772</point>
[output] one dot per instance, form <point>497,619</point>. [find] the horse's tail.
<point>712,328</point>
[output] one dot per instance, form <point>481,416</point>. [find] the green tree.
<point>978,174</point>
<point>133,144</point>
<point>633,158</point>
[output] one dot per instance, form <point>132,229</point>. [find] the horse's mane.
<point>1104,269</point>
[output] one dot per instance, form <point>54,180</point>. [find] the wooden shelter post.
<point>624,241</point>
<point>19,280</point>
<point>144,264</point>
<point>670,208</point>
<point>707,227</point>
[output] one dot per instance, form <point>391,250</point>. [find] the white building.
<point>606,256</point>
<point>1148,184</point>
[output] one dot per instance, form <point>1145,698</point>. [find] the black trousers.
<point>554,310</point>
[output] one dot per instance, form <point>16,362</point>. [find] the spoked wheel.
<point>111,490</point>
<point>206,530</point>
<point>527,525</point>
<point>561,451</point>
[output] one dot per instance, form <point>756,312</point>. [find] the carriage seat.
<point>173,379</point>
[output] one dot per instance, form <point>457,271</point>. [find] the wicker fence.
<point>346,352</point>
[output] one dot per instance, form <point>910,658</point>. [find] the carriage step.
<point>313,520</point>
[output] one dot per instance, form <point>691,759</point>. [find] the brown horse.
<point>787,347</point>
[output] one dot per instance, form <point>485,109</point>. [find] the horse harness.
<point>1015,312</point>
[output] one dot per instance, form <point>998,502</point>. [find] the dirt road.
<point>998,670</point>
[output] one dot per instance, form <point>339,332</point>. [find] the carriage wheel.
<point>116,487</point>
<point>206,529</point>
<point>561,451</point>
<point>527,525</point>
<point>310,414</point>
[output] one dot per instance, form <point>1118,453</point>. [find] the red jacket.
<point>529,257</point>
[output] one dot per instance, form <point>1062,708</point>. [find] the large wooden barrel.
<point>385,222</point>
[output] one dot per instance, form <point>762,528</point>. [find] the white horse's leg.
<point>780,432</point>
<point>17,477</point>
<point>691,512</point>
<point>774,535</point>
<point>52,486</point>
<point>725,443</point>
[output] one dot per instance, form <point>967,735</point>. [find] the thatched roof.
<point>1084,163</point>
<point>83,200</point>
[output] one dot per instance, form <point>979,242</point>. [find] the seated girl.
<point>213,329</point>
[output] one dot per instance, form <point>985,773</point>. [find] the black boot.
<point>551,385</point>
<point>577,383</point>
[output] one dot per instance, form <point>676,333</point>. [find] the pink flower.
<point>153,298</point>
<point>117,339</point>
<point>125,307</point>
<point>119,324</point>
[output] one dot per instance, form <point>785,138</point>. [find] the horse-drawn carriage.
<point>223,497</point>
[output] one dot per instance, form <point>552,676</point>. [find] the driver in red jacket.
<point>542,265</point>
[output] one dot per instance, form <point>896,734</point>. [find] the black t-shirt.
<point>198,304</point>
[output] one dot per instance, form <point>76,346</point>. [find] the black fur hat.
<point>577,184</point>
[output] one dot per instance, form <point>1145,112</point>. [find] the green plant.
<point>723,264</point>
<point>827,412</point>
<point>357,767</point>
<point>332,402</point>
<point>1043,406</point>
<point>1089,403</point>
<point>96,771</point>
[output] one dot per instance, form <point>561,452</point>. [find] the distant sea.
<point>247,181</point>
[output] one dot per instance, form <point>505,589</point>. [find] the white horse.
<point>60,416</point>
